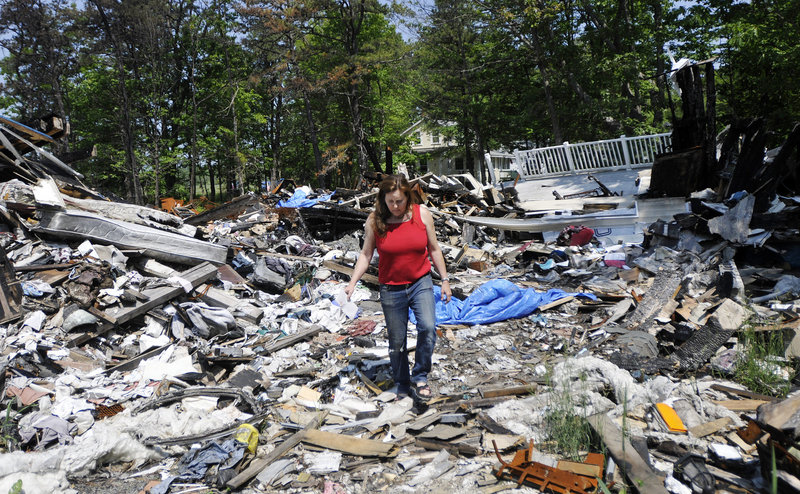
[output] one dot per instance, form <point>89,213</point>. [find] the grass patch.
<point>9,438</point>
<point>7,428</point>
<point>566,428</point>
<point>760,366</point>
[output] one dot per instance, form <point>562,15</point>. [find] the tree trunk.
<point>126,130</point>
<point>61,145</point>
<point>481,151</point>
<point>238,187</point>
<point>237,161</point>
<point>193,89</point>
<point>277,128</point>
<point>469,163</point>
<point>359,135</point>
<point>657,99</point>
<point>476,129</point>
<point>635,109</point>
<point>193,151</point>
<point>312,131</point>
<point>157,170</point>
<point>558,138</point>
<point>211,181</point>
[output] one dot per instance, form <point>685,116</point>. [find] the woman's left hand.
<point>446,293</point>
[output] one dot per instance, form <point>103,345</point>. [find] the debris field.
<point>167,351</point>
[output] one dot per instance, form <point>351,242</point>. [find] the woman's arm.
<point>436,252</point>
<point>364,257</point>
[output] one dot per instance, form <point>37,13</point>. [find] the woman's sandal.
<point>422,392</point>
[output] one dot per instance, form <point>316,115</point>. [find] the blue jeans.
<point>395,301</point>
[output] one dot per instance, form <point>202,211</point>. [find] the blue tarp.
<point>300,200</point>
<point>495,300</point>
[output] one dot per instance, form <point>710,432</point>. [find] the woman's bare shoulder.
<point>371,221</point>
<point>425,214</point>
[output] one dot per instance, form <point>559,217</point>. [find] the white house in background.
<point>440,155</point>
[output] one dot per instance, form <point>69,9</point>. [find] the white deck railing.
<point>612,154</point>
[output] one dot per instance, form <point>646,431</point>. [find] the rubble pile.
<point>141,350</point>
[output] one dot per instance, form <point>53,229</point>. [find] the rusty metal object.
<point>108,411</point>
<point>544,477</point>
<point>750,433</point>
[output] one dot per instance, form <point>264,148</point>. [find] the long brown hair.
<point>388,185</point>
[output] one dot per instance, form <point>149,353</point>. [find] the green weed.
<point>773,471</point>
<point>8,438</point>
<point>756,368</point>
<point>567,430</point>
<point>16,488</point>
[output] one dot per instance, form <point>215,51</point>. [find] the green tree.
<point>41,42</point>
<point>333,63</point>
<point>757,57</point>
<point>467,79</point>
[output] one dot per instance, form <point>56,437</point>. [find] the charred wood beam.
<point>701,346</point>
<point>710,132</point>
<point>331,223</point>
<point>690,128</point>
<point>79,155</point>
<point>10,292</point>
<point>729,153</point>
<point>781,173</point>
<point>231,208</point>
<point>751,159</point>
<point>771,221</point>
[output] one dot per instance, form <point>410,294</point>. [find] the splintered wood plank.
<point>443,432</point>
<point>258,466</point>
<point>748,405</point>
<point>709,428</point>
<point>581,468</point>
<point>507,391</point>
<point>156,297</point>
<point>626,456</point>
<point>231,208</point>
<point>734,439</point>
<point>424,421</point>
<point>132,363</point>
<point>780,414</point>
<point>291,340</point>
<point>349,444</point>
<point>556,303</point>
<point>101,315</point>
<point>339,268</point>
<point>46,267</point>
<point>742,392</point>
<point>456,448</point>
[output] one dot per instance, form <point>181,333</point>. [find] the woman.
<point>403,233</point>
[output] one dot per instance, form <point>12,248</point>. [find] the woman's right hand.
<point>348,290</point>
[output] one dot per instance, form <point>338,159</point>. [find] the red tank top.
<point>403,252</point>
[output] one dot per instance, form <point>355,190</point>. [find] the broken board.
<point>157,297</point>
<point>626,456</point>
